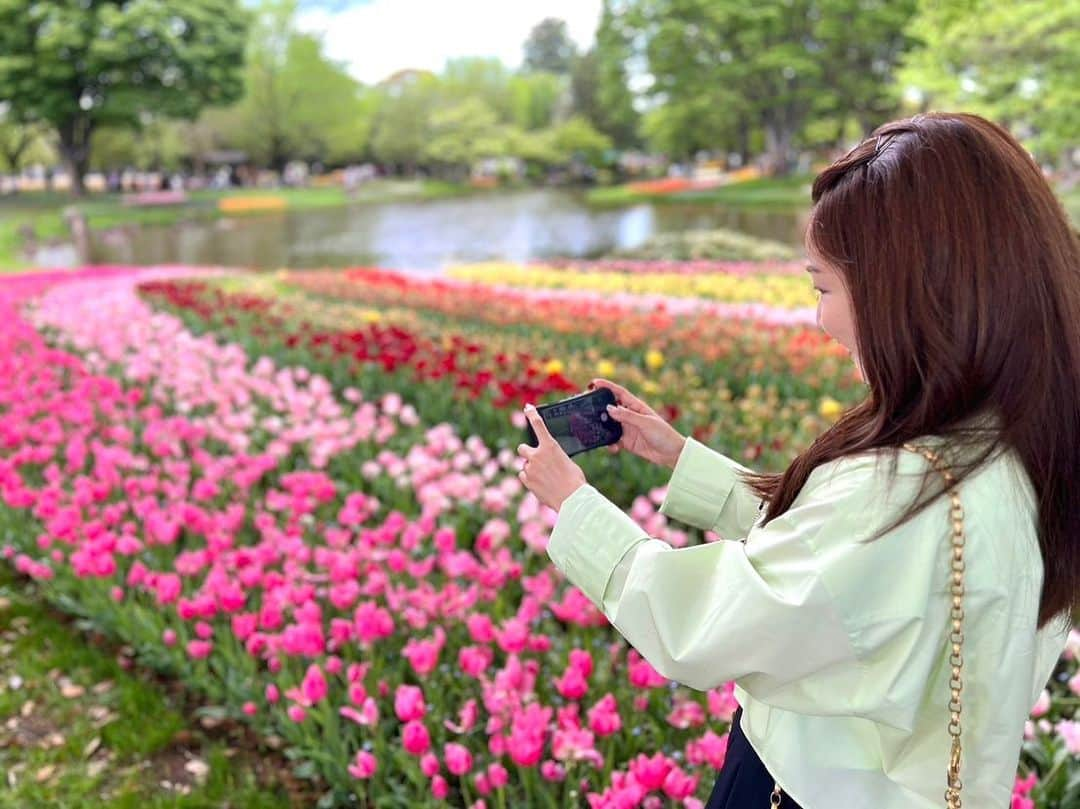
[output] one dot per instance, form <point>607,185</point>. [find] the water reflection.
<point>428,235</point>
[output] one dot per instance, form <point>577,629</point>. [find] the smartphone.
<point>579,423</point>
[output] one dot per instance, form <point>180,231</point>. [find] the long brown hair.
<point>964,278</point>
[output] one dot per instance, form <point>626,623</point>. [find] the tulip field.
<point>296,493</point>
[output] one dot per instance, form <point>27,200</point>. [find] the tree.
<point>20,142</point>
<point>681,130</point>
<point>615,113</point>
<point>576,139</point>
<point>402,124</point>
<point>159,144</point>
<point>483,78</point>
<point>534,99</point>
<point>297,103</point>
<point>860,55</point>
<point>765,67</point>
<point>1015,61</point>
<point>460,134</point>
<point>79,66</point>
<point>584,86</point>
<point>549,48</point>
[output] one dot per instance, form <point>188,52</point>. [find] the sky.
<point>378,37</point>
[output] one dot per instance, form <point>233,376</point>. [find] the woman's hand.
<point>645,433</point>
<point>549,473</point>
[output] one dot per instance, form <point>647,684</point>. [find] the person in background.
<point>948,268</point>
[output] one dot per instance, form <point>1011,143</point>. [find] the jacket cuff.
<point>589,539</point>
<point>699,486</point>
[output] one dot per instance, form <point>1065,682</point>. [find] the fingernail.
<point>611,408</point>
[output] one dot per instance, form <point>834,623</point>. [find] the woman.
<point>947,267</point>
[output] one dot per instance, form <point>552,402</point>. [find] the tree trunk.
<point>75,134</point>
<point>13,154</point>
<point>778,148</point>
<point>1068,169</point>
<point>278,154</point>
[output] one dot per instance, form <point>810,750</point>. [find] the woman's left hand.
<point>549,473</point>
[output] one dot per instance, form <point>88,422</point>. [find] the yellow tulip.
<point>554,367</point>
<point>605,368</point>
<point>649,386</point>
<point>654,359</point>
<point>830,408</point>
<point>371,316</point>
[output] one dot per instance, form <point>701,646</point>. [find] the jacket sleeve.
<point>704,491</point>
<point>759,612</point>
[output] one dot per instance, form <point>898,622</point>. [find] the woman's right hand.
<point>645,433</point>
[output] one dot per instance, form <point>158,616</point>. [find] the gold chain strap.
<point>956,637</point>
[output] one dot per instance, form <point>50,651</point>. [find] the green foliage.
<point>22,143</point>
<point>549,48</point>
<point>615,112</point>
<point>770,78</point>
<point>112,761</point>
<point>534,98</point>
<point>106,62</point>
<point>1015,62</point>
<point>483,78</point>
<point>402,125</point>
<point>297,104</point>
<point>161,144</point>
<point>462,133</point>
<point>722,245</point>
<point>724,68</point>
<point>576,138</point>
<point>79,66</point>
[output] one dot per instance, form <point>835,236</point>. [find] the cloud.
<point>376,39</point>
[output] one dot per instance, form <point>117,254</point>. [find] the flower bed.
<point>781,291</point>
<point>337,566</point>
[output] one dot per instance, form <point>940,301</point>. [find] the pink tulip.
<point>439,788</point>
<point>429,764</point>
<point>650,772</point>
<point>199,649</point>
<point>474,660</point>
<point>604,718</point>
<point>415,738</point>
<point>552,771</point>
<point>364,765</point>
<point>314,686</point>
<point>641,672</point>
<point>481,629</point>
<point>409,703</point>
<point>482,784</point>
<point>708,749</point>
<point>572,684</point>
<point>458,758</point>
<point>680,785</point>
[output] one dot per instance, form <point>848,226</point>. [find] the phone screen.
<point>580,423</point>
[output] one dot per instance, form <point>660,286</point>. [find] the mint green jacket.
<point>838,650</point>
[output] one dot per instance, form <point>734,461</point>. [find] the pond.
<point>426,235</point>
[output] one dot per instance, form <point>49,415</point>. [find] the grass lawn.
<point>788,192</point>
<point>81,727</point>
<point>44,211</point>
<point>785,192</point>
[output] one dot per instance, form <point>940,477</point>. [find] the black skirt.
<point>743,781</point>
